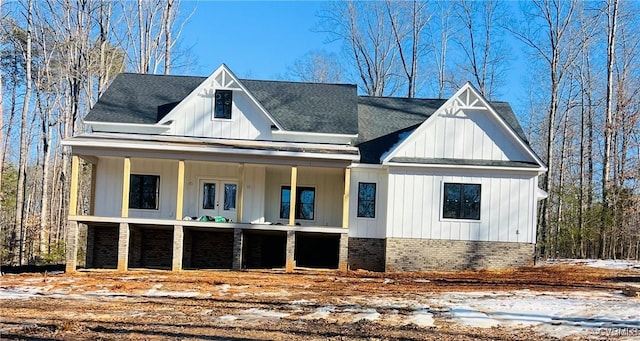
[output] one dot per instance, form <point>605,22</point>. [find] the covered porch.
<point>197,209</point>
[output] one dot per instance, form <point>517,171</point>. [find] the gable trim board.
<point>327,137</point>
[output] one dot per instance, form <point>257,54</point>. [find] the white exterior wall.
<point>196,119</point>
<point>368,227</point>
<point>329,185</point>
<point>467,134</point>
<point>507,205</point>
<point>109,186</point>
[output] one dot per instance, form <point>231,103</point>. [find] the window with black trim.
<point>366,200</point>
<point>144,191</point>
<point>461,201</point>
<point>223,101</point>
<point>305,202</point>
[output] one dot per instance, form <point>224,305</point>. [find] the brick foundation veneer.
<point>404,254</point>
<point>366,254</point>
<point>102,247</point>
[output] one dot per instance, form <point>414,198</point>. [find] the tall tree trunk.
<point>22,165</point>
<point>612,15</point>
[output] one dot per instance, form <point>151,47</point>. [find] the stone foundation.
<point>404,254</point>
<point>366,254</point>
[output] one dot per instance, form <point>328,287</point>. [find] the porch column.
<point>178,242</point>
<point>180,194</point>
<point>345,198</point>
<point>292,195</point>
<point>343,252</point>
<point>126,178</point>
<point>123,247</point>
<point>290,261</point>
<point>240,192</point>
<point>92,198</point>
<point>71,251</point>
<point>238,240</point>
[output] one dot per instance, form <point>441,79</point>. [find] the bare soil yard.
<point>270,305</point>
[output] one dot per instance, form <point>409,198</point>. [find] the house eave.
<point>539,170</point>
<point>116,127</point>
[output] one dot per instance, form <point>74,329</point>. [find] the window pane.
<point>209,196</point>
<point>366,200</point>
<point>223,104</point>
<point>230,196</point>
<point>285,195</point>
<point>452,201</point>
<point>144,191</point>
<point>306,201</point>
<point>471,207</point>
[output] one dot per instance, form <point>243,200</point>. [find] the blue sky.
<point>255,39</point>
<point>260,39</point>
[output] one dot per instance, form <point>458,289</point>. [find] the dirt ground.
<point>265,305</point>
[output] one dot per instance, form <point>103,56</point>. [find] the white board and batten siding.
<point>466,134</point>
<point>329,191</point>
<point>507,205</point>
<point>109,186</point>
<point>196,119</point>
<point>360,227</point>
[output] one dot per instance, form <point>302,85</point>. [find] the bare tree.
<point>556,48</point>
<point>317,66</point>
<point>364,30</point>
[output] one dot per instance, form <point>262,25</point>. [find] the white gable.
<point>194,116</point>
<point>465,127</point>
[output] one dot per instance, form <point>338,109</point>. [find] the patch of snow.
<point>20,293</point>
<point>368,314</point>
<point>421,280</point>
<point>320,313</point>
<point>261,313</point>
<point>614,264</point>
<point>474,318</point>
<point>224,288</point>
<point>387,281</point>
<point>228,318</point>
<point>302,302</point>
<point>421,318</point>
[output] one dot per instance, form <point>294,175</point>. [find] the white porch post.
<point>180,190</point>
<point>345,198</point>
<point>72,226</point>
<point>292,195</point>
<point>126,178</point>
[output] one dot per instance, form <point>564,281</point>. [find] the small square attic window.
<point>223,102</point>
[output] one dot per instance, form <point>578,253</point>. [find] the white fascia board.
<point>167,146</point>
<point>118,127</point>
<point>539,170</point>
<point>300,136</point>
<point>367,166</point>
<point>204,84</point>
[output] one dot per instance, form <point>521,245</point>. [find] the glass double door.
<point>218,198</point>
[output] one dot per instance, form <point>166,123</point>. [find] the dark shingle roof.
<point>137,98</point>
<point>309,107</point>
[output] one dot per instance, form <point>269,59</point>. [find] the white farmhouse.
<point>221,172</point>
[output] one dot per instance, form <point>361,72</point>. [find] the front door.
<point>218,199</point>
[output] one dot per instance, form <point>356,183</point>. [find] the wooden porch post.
<point>345,198</point>
<point>126,178</point>
<point>292,195</point>
<point>92,198</point>
<point>240,192</point>
<point>71,257</point>
<point>180,190</point>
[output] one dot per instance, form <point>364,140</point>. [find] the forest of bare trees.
<point>580,111</point>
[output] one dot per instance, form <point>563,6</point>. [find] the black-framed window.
<point>223,101</point>
<point>144,191</point>
<point>366,200</point>
<point>305,202</point>
<point>461,201</point>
